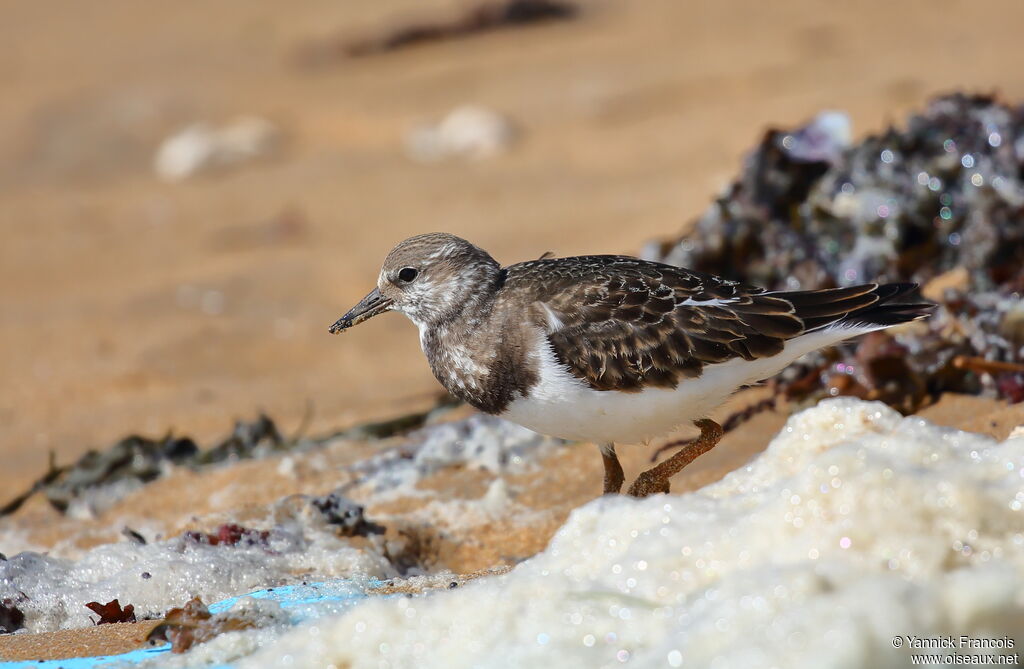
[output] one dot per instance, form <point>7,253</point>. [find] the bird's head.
<point>429,278</point>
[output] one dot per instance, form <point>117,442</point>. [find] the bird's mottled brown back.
<point>621,323</point>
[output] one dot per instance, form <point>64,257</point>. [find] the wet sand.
<point>110,639</point>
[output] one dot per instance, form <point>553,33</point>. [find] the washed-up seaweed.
<point>134,457</point>
<point>51,475</point>
<point>390,427</point>
<point>194,624</point>
<point>112,612</point>
<point>230,534</point>
<point>245,440</point>
<point>346,516</point>
<point>12,618</point>
<point>482,18</point>
<point>141,459</point>
<point>939,202</point>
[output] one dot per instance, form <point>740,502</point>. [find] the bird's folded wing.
<point>623,324</point>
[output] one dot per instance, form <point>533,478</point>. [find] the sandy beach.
<point>133,304</point>
<point>139,306</point>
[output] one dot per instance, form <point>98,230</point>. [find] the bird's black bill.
<point>368,307</point>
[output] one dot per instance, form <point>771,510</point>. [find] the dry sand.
<point>633,116</point>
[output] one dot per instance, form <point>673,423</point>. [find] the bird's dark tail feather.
<point>867,305</point>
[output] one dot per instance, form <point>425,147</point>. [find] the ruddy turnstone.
<point>609,349</point>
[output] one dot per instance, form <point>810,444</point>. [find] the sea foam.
<point>855,526</point>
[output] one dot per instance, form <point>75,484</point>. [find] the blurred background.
<point>190,194</point>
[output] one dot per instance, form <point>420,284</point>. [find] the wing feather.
<point>620,323</point>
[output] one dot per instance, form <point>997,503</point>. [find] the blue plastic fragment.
<point>304,602</point>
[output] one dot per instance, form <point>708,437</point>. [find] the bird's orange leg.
<point>655,479</point>
<point>613,476</point>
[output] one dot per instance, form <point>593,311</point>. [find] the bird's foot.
<point>646,484</point>
<point>655,479</point>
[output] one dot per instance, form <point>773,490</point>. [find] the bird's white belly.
<point>584,414</point>
<point>561,405</point>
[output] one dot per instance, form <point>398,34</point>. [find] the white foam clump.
<point>52,592</point>
<point>479,442</point>
<point>854,526</point>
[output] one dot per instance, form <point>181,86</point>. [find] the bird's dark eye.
<point>407,274</point>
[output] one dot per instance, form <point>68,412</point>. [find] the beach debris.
<point>193,624</point>
<point>899,205</point>
<point>52,473</point>
<point>333,512</point>
<point>345,515</point>
<point>230,534</point>
<point>133,458</point>
<point>470,132</point>
<point>939,202</point>
<point>111,612</point>
<point>133,536</point>
<point>11,617</point>
<point>391,427</point>
<point>247,439</point>
<point>481,18</point>
<point>823,140</point>
<point>203,147</point>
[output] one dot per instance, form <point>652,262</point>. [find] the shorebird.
<point>609,349</point>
